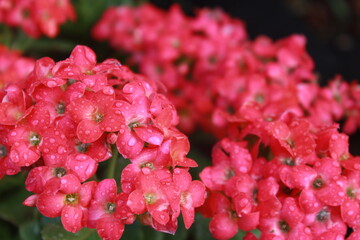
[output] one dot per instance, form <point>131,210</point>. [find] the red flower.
<point>192,194</point>
<point>95,114</point>
<point>71,203</point>
<point>103,208</point>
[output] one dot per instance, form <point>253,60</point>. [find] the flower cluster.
<point>66,117</point>
<point>281,165</point>
<point>211,54</point>
<point>36,17</point>
<point>286,177</point>
<point>13,69</point>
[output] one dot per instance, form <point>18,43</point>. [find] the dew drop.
<point>132,142</point>
<point>61,150</point>
<point>341,194</point>
<point>108,91</point>
<point>51,83</point>
<point>154,140</point>
<point>89,170</point>
<point>357,166</point>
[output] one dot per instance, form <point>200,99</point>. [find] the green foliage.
<point>55,231</point>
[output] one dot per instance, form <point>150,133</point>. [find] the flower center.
<point>291,143</point>
<point>229,174</point>
<point>71,198</point>
<point>82,147</point>
<point>288,161</point>
<point>184,197</point>
<point>59,172</point>
<point>344,156</point>
<point>60,108</point>
<point>34,139</point>
<point>149,165</point>
<point>255,195</point>
<point>98,117</point>
<point>323,215</point>
<point>3,151</point>
<point>284,226</point>
<point>110,207</point>
<point>133,125</point>
<point>318,183</point>
<point>150,198</point>
<point>350,192</point>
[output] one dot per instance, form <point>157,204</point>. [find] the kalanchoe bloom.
<point>13,105</point>
<point>66,120</point>
<point>70,202</point>
<point>105,209</point>
<point>7,166</point>
<point>44,177</point>
<point>37,17</point>
<point>95,114</point>
<point>150,196</point>
<point>13,67</point>
<point>26,139</point>
<point>192,194</point>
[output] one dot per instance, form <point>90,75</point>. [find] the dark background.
<point>332,27</point>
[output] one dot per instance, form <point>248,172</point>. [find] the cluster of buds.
<point>36,17</point>
<point>211,53</point>
<point>66,117</point>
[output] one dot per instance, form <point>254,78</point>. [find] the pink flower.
<point>71,202</point>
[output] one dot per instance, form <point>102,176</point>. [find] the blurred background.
<point>332,27</point>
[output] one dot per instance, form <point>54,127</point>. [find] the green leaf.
<point>7,230</point>
<point>133,232</point>
<point>8,183</point>
<point>256,232</point>
<point>239,236</point>
<point>11,208</point>
<point>202,228</point>
<point>6,35</point>
<point>30,231</point>
<point>46,220</point>
<point>151,234</point>
<point>55,231</point>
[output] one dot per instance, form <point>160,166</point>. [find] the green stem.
<point>110,173</point>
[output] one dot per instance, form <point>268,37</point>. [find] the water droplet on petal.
<point>132,142</point>
<point>108,91</point>
<point>51,83</point>
<point>154,140</point>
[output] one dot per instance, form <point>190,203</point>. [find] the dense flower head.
<point>211,53</point>
<point>64,118</point>
<point>302,181</point>
<point>36,17</point>
<point>280,165</point>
